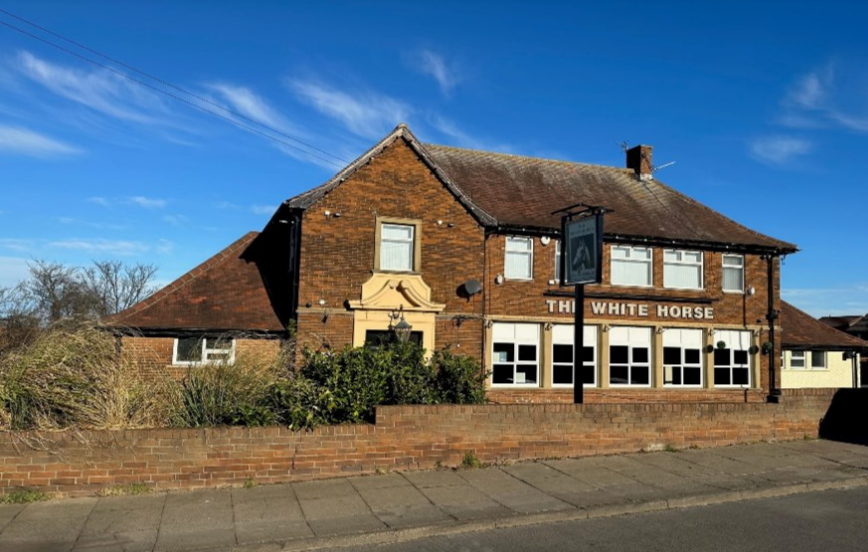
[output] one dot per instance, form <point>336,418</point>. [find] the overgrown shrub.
<point>226,394</point>
<point>74,376</point>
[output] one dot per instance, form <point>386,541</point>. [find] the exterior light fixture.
<point>403,328</point>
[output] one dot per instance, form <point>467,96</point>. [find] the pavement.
<point>403,506</point>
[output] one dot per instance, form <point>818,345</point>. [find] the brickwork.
<point>153,355</point>
<point>404,437</point>
<point>338,253</point>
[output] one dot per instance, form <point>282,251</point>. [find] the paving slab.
<point>200,519</point>
<point>122,541</point>
<point>8,513</point>
<point>562,486</point>
<point>710,458</point>
<point>511,492</point>
<point>455,496</point>
<point>50,526</point>
<point>398,503</point>
<point>335,508</point>
<point>268,513</point>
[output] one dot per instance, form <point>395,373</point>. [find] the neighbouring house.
<point>854,325</point>
<point>815,354</point>
<point>462,246</point>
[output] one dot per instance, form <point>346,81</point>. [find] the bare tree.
<point>118,286</point>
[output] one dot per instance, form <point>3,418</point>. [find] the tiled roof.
<point>524,191</point>
<point>840,322</point>
<point>223,293</point>
<point>516,192</point>
<point>800,330</point>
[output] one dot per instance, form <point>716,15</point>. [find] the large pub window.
<point>562,355</point>
<point>731,358</point>
<point>630,356</point>
<point>515,354</point>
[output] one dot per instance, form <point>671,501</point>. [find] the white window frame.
<point>731,338</point>
<point>526,252</point>
<point>558,261</point>
<point>563,334</point>
<point>617,339</point>
<point>629,259</point>
<point>740,268</point>
<point>412,242</point>
<point>683,339</point>
<point>205,352</point>
<point>797,356</point>
<point>500,334</point>
<point>679,261</point>
<point>824,356</point>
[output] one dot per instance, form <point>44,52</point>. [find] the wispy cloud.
<point>365,114</point>
<point>112,247</point>
<point>262,209</point>
<point>779,150</point>
<point>175,220</point>
<point>91,224</point>
<point>433,64</point>
<point>101,201</point>
<point>852,299</point>
<point>16,244</point>
<point>246,102</point>
<point>831,96</point>
<point>461,138</point>
<point>21,141</point>
<point>98,90</point>
<point>146,202</point>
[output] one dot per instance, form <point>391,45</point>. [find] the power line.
<point>174,87</point>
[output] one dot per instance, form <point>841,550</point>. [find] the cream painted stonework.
<point>384,295</point>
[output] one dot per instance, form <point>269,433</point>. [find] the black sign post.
<point>582,256</point>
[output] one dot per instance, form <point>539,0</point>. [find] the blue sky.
<point>763,107</point>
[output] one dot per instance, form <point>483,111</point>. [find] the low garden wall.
<point>79,463</point>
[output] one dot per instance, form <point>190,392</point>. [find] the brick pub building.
<point>462,246</point>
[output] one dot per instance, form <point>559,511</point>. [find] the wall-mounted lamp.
<point>751,290</point>
<point>402,329</point>
<point>545,240</point>
<point>498,279</point>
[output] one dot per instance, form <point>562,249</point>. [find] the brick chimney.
<point>639,159</point>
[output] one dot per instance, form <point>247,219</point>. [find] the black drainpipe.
<point>774,395</point>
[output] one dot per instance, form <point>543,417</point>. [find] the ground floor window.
<point>682,358</point>
<point>799,360</point>
<point>515,354</point>
<point>731,358</point>
<point>562,355</point>
<point>379,338</point>
<point>630,356</point>
<point>203,350</point>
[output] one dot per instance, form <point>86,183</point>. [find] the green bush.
<point>297,402</point>
<point>459,379</point>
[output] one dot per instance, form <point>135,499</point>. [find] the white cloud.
<point>13,270</point>
<point>101,91</point>
<point>244,101</point>
<point>263,209</point>
<point>15,244</point>
<point>147,202</point>
<point>164,246</point>
<point>365,114</point>
<point>779,150</point>
<point>433,64</point>
<point>829,97</point>
<point>101,201</point>
<point>21,141</point>
<point>461,138</point>
<point>100,245</point>
<point>175,220</point>
<point>829,301</point>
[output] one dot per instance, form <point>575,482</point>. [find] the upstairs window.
<point>203,350</point>
<point>557,277</point>
<point>682,269</point>
<point>397,247</point>
<point>631,266</point>
<point>518,264</point>
<point>733,273</point>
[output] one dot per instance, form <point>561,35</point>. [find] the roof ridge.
<point>531,157</point>
<point>183,280</point>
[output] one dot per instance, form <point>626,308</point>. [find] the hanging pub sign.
<point>582,250</point>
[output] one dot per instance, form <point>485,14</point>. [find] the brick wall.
<point>337,254</point>
<point>404,437</point>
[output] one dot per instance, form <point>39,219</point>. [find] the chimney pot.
<point>639,159</point>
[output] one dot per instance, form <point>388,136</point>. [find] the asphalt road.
<point>827,521</point>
